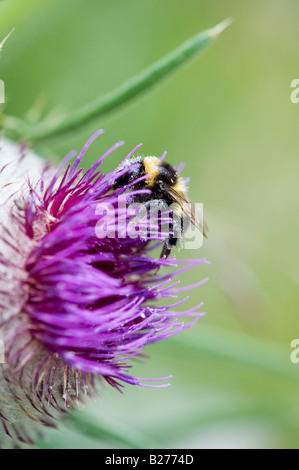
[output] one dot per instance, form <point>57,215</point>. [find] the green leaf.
<point>5,39</point>
<point>240,349</point>
<point>128,91</point>
<point>112,433</point>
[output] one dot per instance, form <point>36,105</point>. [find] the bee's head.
<point>160,173</point>
<point>166,176</point>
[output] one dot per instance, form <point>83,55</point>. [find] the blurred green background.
<point>229,117</point>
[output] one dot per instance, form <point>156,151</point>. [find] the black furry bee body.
<point>165,185</point>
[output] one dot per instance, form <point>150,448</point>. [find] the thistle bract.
<point>74,307</point>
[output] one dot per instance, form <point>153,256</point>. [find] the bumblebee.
<point>166,186</point>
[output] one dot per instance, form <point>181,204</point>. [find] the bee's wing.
<point>188,209</point>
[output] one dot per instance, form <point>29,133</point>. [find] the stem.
<point>144,81</point>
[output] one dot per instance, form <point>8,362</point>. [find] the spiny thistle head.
<point>74,307</point>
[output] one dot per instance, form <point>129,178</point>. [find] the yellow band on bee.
<point>151,167</point>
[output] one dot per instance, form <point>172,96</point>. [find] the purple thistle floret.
<point>77,307</point>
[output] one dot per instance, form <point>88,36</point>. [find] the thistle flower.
<point>74,307</point>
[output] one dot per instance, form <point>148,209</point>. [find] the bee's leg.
<point>176,230</point>
<point>169,244</point>
<point>155,208</point>
<point>172,239</point>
